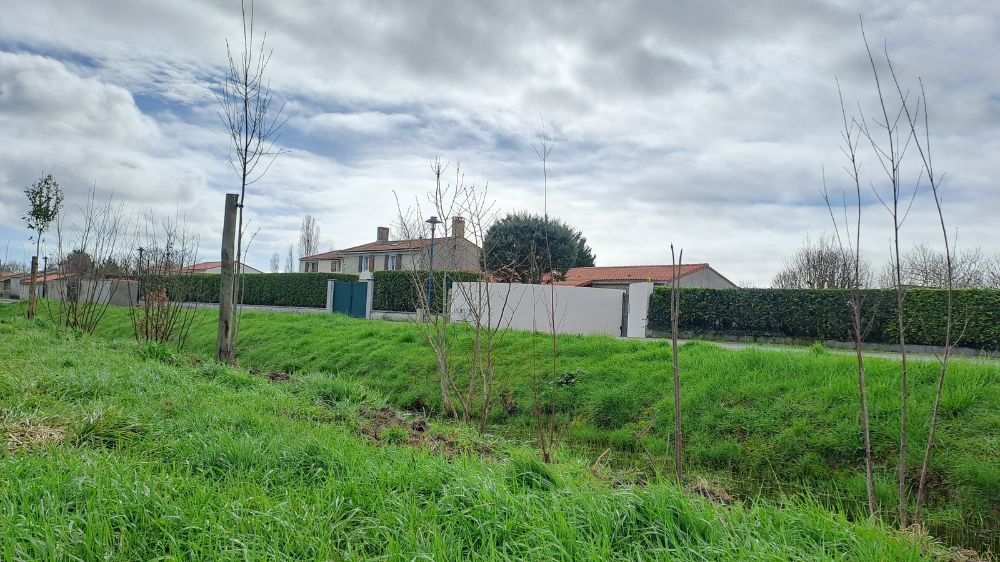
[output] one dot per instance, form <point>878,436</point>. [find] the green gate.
<point>350,298</point>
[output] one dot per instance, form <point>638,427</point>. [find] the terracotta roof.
<point>50,276</point>
<point>331,255</point>
<point>205,265</point>
<point>586,276</point>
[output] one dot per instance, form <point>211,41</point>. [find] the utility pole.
<point>433,221</point>
<point>224,343</point>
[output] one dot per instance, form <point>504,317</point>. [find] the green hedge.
<point>270,289</point>
<point>826,314</point>
<point>395,290</point>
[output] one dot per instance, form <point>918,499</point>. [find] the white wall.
<point>579,310</point>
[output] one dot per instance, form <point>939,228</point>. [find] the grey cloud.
<point>675,118</point>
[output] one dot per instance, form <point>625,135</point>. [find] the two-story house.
<point>454,252</point>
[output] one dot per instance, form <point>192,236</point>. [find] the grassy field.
<point>757,422</point>
<point>121,451</point>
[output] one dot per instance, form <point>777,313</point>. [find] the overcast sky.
<point>705,124</point>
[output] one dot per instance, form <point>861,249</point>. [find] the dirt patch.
<point>273,376</point>
<point>385,425</point>
<point>28,437</point>
<point>708,490</point>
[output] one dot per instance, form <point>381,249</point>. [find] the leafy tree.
<point>514,248</point>
<point>44,201</point>
<point>78,262</point>
<point>584,254</point>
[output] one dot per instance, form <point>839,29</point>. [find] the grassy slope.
<point>788,424</point>
<point>137,455</point>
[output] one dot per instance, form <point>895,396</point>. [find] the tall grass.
<point>175,460</point>
<point>761,421</point>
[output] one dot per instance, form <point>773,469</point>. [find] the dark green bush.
<point>267,289</point>
<point>826,314</point>
<point>396,290</point>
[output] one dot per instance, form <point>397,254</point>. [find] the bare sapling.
<point>433,297</point>
<point>158,307</point>
<point>44,202</point>
<point>889,150</point>
<point>254,126</point>
<point>546,403</point>
<point>675,311</point>
<point>489,305</point>
<point>922,143</point>
<point>849,247</point>
<point>93,257</point>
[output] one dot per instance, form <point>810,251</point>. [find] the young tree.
<point>445,201</point>
<point>922,142</point>
<point>489,305</point>
<point>290,260</point>
<point>275,262</point>
<point>159,308</point>
<point>308,237</point>
<point>44,202</point>
<point>103,235</point>
<point>546,407</point>
<point>889,149</point>
<point>253,125</point>
<point>848,248</point>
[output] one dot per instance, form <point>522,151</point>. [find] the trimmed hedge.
<point>395,291</point>
<point>826,314</point>
<point>268,289</point>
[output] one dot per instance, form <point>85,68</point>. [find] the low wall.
<point>394,316</point>
<point>578,310</point>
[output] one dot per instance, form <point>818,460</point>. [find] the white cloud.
<point>703,123</point>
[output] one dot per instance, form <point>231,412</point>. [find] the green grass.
<point>122,452</point>
<point>761,422</point>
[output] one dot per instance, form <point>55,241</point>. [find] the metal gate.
<point>350,298</point>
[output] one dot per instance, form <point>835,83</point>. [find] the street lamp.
<point>138,276</point>
<point>45,275</point>
<point>433,221</point>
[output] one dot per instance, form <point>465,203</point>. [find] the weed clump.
<point>106,426</point>
<point>531,474</point>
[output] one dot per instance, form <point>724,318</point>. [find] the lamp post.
<point>138,276</point>
<point>45,275</point>
<point>433,221</point>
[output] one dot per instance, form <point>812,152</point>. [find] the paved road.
<point>868,353</point>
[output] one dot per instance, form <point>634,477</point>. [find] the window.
<point>391,262</point>
<point>335,265</point>
<point>312,266</point>
<point>366,263</point>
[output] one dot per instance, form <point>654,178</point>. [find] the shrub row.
<point>826,314</point>
<point>396,290</point>
<point>269,289</point>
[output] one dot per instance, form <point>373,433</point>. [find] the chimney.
<point>383,234</point>
<point>458,227</point>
